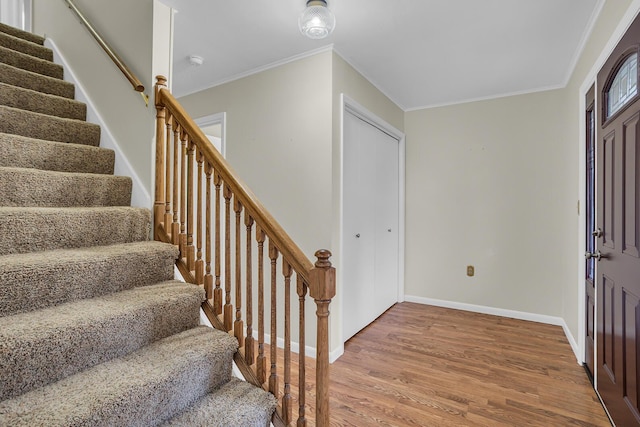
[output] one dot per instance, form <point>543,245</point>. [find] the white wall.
<point>482,183</point>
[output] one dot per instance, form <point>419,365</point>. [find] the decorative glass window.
<point>624,85</point>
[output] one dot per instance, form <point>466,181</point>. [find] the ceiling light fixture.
<point>317,21</point>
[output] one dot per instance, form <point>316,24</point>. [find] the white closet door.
<point>370,213</point>
<point>385,207</point>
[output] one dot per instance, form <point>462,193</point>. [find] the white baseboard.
<point>139,195</point>
<point>521,315</point>
<point>335,354</point>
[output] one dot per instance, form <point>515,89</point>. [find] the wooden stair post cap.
<point>322,277</point>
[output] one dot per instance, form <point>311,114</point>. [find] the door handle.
<point>595,255</point>
<point>597,233</point>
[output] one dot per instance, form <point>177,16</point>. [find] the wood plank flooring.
<point>421,365</point>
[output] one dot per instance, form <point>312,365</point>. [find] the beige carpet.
<point>94,331</point>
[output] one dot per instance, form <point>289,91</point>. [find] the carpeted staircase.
<point>94,331</point>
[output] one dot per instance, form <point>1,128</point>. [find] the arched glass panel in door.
<point>624,85</point>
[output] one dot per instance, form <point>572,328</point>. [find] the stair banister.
<point>318,278</point>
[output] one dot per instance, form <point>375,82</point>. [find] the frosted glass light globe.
<point>317,21</point>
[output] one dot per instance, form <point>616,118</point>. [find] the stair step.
<point>42,126</point>
<point>16,32</point>
<point>38,102</point>
<point>34,187</point>
<point>38,280</point>
<point>30,63</point>
<point>34,81</point>
<point>39,229</point>
<point>25,46</point>
<point>75,336</point>
<point>141,389</point>
<point>24,152</point>
<point>237,403</point>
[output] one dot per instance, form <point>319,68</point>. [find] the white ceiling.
<point>420,53</point>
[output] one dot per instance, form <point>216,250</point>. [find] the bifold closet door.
<point>370,213</point>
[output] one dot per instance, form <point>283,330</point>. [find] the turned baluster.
<point>208,278</point>
<point>273,341</point>
<point>261,361</point>
<point>217,293</point>
<point>168,216</point>
<point>238,325</point>
<point>301,287</point>
<point>322,288</point>
<point>191,250</point>
<point>228,308</point>
<point>183,195</point>
<point>286,398</point>
<point>248,343</point>
<point>199,262</point>
<point>175,225</point>
<point>158,208</point>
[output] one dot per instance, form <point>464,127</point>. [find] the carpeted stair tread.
<point>42,126</point>
<point>38,102</point>
<point>144,388</point>
<point>24,46</point>
<point>94,331</point>
<point>34,187</point>
<point>237,403</point>
<point>30,229</point>
<point>34,81</point>
<point>23,152</point>
<point>30,63</point>
<point>16,32</point>
<point>38,280</point>
<point>39,349</point>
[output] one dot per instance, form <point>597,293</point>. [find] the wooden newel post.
<point>158,207</point>
<point>322,288</point>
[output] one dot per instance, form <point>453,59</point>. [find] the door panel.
<point>618,272</point>
<point>608,177</point>
<point>386,223</point>
<point>630,351</point>
<point>630,183</point>
<point>358,239</point>
<point>370,215</point>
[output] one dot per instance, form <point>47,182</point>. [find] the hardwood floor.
<point>421,365</point>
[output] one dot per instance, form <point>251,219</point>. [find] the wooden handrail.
<point>135,81</point>
<point>185,206</point>
<point>249,201</point>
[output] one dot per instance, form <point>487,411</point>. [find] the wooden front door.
<point>618,221</point>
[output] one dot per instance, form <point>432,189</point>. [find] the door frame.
<point>215,119</point>
<point>591,80</point>
<point>347,104</point>
<point>17,13</point>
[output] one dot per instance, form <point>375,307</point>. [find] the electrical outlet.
<point>471,270</point>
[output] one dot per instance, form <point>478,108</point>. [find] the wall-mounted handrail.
<point>135,81</point>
